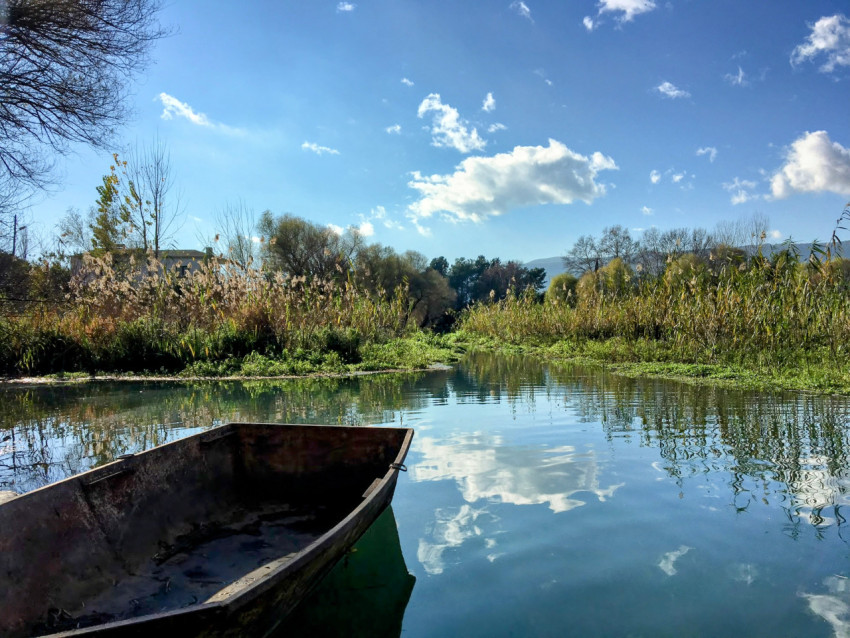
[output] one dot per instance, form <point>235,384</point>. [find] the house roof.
<point>182,254</point>
<point>171,254</point>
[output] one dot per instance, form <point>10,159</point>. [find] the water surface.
<point>540,500</point>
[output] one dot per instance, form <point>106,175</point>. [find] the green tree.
<point>301,248</point>
<point>562,288</point>
<point>109,226</point>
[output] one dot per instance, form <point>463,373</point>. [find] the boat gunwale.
<point>240,598</point>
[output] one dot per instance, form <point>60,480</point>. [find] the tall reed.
<point>137,316</point>
<point>714,313</point>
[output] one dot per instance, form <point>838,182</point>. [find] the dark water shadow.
<point>364,595</point>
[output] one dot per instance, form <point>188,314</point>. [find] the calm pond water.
<point>540,500</point>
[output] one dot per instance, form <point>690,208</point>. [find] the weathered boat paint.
<point>76,552</point>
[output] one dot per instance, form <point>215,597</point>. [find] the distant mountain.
<point>552,265</point>
<point>555,265</point>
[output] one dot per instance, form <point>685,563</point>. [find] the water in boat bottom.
<point>540,500</point>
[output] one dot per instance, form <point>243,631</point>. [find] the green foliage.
<point>108,230</point>
<point>755,314</point>
<point>562,288</point>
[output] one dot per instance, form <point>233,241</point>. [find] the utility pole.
<point>14,233</point>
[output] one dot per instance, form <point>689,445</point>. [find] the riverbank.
<point>419,352</point>
<point>424,352</point>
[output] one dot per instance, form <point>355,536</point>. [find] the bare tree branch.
<point>65,67</point>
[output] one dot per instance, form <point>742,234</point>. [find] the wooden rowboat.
<point>218,534</point>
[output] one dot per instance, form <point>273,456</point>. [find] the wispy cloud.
<point>319,150</point>
<point>830,38</point>
<point>497,126</point>
<point>174,108</point>
<point>668,89</point>
<point>813,164</point>
<point>541,73</point>
<point>489,104</point>
<point>741,190</point>
<point>646,210</point>
<point>395,129</point>
<point>527,176</point>
<point>708,150</point>
<point>654,176</point>
<point>522,9</point>
<point>589,24</point>
<point>406,82</point>
<point>345,7</point>
<point>447,128</point>
<point>737,79</point>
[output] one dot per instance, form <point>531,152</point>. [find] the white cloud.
<point>669,90</point>
<point>589,24</point>
<point>830,37</point>
<point>522,9</point>
<point>319,150</point>
<point>654,177</point>
<point>737,79</point>
<point>527,176</point>
<point>489,104</point>
<point>406,82</point>
<point>741,190</point>
<point>813,164</point>
<point>677,177</point>
<point>345,7</point>
<point>395,129</point>
<point>775,234</point>
<point>447,129</point>
<point>337,230</point>
<point>646,210</point>
<point>628,8</point>
<point>708,150</point>
<point>498,126</point>
<point>366,229</point>
<point>172,107</point>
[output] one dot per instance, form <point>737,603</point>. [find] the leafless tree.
<point>584,256</point>
<point>742,232</point>
<point>65,66</point>
<point>617,242</point>
<point>236,227</point>
<point>147,191</point>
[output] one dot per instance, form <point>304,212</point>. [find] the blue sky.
<point>496,127</point>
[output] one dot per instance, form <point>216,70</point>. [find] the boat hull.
<point>218,534</point>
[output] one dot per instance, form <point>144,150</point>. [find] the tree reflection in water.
<point>784,446</point>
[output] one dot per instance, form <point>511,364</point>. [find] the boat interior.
<point>179,525</point>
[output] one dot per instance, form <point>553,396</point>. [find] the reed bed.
<point>757,312</point>
<point>137,317</point>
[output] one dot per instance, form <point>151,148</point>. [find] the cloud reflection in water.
<point>487,470</point>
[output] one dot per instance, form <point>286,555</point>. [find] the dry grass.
<point>141,318</point>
